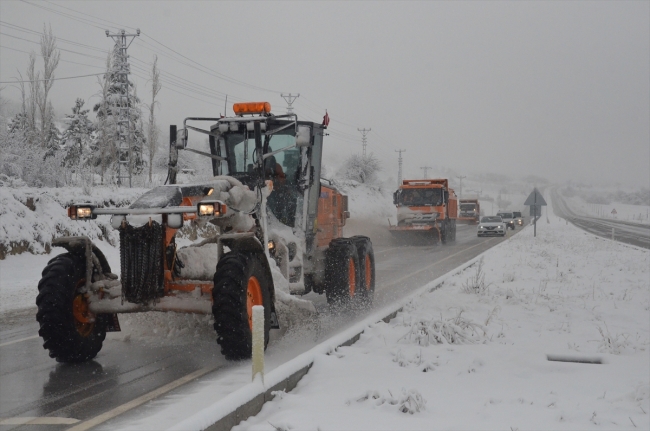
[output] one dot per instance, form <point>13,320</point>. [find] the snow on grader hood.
<point>278,233</point>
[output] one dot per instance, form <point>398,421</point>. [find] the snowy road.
<point>158,352</point>
<point>630,233</point>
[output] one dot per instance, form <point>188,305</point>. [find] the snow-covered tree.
<point>152,129</point>
<point>361,168</point>
<point>77,138</point>
<point>50,61</point>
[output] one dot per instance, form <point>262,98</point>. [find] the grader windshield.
<point>282,167</point>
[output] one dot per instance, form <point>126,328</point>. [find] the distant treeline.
<point>640,197</point>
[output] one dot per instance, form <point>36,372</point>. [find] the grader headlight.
<point>81,212</point>
<point>211,208</point>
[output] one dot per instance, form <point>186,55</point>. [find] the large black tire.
<point>66,337</point>
<point>444,232</point>
<point>366,268</point>
<point>341,272</point>
<point>234,283</point>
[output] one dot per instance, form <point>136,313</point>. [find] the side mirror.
<point>303,136</point>
<point>395,198</point>
<point>181,139</point>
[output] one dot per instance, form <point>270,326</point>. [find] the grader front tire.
<point>240,283</point>
<point>69,330</point>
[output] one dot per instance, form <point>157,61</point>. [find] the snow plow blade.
<point>415,234</point>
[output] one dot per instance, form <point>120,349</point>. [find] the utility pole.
<point>399,172</point>
<point>460,194</point>
<point>426,171</point>
<point>290,98</point>
<point>364,133</point>
<point>124,150</point>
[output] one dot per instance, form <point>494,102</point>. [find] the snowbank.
<point>31,217</point>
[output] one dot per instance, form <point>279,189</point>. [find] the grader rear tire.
<point>366,268</point>
<point>240,282</point>
<point>342,272</point>
<point>69,330</point>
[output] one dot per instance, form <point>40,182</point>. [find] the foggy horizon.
<point>557,90</point>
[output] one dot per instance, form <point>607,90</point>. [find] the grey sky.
<point>557,89</point>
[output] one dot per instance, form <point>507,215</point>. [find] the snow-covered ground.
<point>469,355</point>
<point>473,354</point>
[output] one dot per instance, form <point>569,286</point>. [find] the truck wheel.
<point>341,272</point>
<point>69,330</point>
<point>240,282</point>
<point>444,231</point>
<point>367,268</point>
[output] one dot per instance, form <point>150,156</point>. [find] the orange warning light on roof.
<point>252,108</point>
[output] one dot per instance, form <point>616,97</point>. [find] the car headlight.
<point>500,226</point>
<point>481,227</point>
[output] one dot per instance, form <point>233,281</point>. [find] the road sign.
<point>535,198</point>
<point>536,201</point>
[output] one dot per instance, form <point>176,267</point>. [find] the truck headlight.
<point>212,208</point>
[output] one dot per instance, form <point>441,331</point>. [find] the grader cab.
<point>269,212</point>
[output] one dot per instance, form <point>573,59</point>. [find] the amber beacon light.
<point>252,108</point>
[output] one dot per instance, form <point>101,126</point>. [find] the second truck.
<point>470,211</point>
<point>426,210</point>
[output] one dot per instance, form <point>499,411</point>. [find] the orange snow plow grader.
<point>470,211</point>
<point>426,210</point>
<point>275,228</point>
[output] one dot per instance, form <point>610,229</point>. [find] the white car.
<point>491,226</point>
<point>508,218</point>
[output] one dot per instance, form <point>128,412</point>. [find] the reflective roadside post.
<point>258,341</point>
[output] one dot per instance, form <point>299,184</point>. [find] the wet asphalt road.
<point>630,233</point>
<point>32,385</point>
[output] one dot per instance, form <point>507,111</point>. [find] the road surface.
<point>126,374</point>
<point>623,231</point>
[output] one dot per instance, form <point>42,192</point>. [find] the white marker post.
<point>258,341</point>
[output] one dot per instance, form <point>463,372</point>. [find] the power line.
<point>290,98</point>
<point>53,79</point>
<point>93,21</point>
<point>399,172</point>
<point>364,133</point>
<point>460,194</point>
<point>39,55</point>
<point>124,149</point>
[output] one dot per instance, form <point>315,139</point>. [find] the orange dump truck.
<point>425,209</point>
<point>470,211</point>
